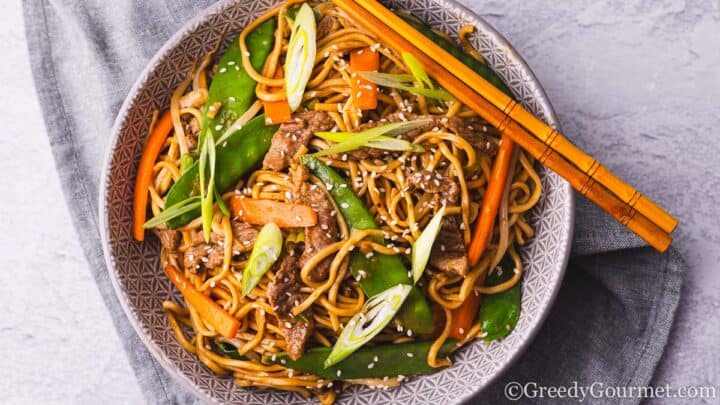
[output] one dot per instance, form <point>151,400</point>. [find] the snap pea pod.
<point>389,360</point>
<point>479,68</point>
<point>232,88</point>
<point>242,151</point>
<point>499,313</point>
<point>379,272</point>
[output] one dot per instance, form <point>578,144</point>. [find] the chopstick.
<point>552,138</point>
<point>641,223</point>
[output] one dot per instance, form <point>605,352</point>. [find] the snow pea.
<point>389,360</point>
<point>242,151</point>
<point>232,88</point>
<point>499,313</point>
<point>379,272</point>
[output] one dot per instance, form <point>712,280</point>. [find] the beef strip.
<point>211,255</point>
<point>284,291</point>
<point>284,294</point>
<point>322,234</point>
<point>448,252</point>
<point>327,26</point>
<point>169,238</point>
<point>297,333</point>
<point>291,136</point>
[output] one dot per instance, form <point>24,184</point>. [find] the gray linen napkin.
<point>613,314</point>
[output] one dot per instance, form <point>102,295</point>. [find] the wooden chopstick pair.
<point>549,147</point>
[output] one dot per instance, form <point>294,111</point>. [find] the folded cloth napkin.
<point>611,320</point>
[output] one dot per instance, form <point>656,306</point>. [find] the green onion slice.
<point>349,141</point>
<point>173,211</point>
<point>377,312</point>
<point>423,244</point>
<point>265,253</point>
<point>394,144</point>
<point>300,58</point>
<point>207,188</point>
<point>404,82</point>
<point>417,70</point>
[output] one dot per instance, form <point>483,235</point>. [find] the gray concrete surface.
<point>635,83</point>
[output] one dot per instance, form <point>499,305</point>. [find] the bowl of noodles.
<point>294,211</point>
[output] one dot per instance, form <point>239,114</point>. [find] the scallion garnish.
<point>349,141</point>
<point>374,316</point>
<point>266,251</point>
<point>417,70</point>
<point>173,211</point>
<point>300,57</point>
<point>404,82</point>
<point>423,245</point>
<point>207,188</point>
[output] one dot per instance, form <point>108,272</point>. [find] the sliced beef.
<point>210,255</point>
<point>327,26</point>
<point>448,252</point>
<point>433,182</point>
<point>288,139</point>
<point>203,255</point>
<point>169,238</point>
<point>297,333</point>
<point>284,291</point>
<point>284,294</point>
<point>244,236</point>
<point>325,232</point>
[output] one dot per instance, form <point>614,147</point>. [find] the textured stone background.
<point>635,83</point>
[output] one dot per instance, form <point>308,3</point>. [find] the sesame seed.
<point>371,365</point>
<point>339,373</point>
<point>409,354</point>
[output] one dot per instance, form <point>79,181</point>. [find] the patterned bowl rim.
<point>180,35</point>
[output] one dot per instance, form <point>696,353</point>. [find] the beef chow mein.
<point>316,195</point>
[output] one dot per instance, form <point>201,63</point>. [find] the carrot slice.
<point>284,215</point>
<point>464,316</point>
<point>364,93</point>
<point>154,145</point>
<point>491,202</point>
<point>277,112</point>
<point>209,310</point>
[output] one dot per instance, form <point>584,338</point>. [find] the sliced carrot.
<point>491,202</point>
<point>209,310</point>
<point>464,316</point>
<point>153,146</point>
<point>364,93</point>
<point>284,215</point>
<point>277,112</point>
